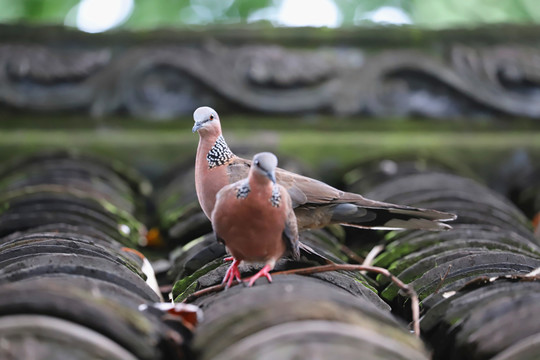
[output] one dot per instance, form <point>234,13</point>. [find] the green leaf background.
<point>148,14</point>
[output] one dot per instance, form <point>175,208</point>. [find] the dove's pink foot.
<point>265,271</point>
<point>231,274</point>
<point>228,258</point>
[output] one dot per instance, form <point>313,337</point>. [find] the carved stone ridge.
<point>166,81</point>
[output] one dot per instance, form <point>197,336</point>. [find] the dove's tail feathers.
<point>390,217</point>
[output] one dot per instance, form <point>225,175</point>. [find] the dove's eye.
<point>211,117</point>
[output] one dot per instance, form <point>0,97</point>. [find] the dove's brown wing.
<point>317,204</point>
<point>304,190</point>
<point>238,169</point>
<point>290,233</point>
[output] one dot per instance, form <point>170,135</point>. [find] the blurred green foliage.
<point>177,13</point>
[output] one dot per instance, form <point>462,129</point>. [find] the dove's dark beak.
<point>196,127</point>
<point>272,176</point>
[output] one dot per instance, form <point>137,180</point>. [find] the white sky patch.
<point>95,16</point>
<point>315,13</point>
<point>385,15</point>
<point>309,13</point>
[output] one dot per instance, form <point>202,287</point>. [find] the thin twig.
<point>533,273</point>
<point>351,254</point>
<point>371,256</point>
<point>376,250</point>
<point>442,279</point>
<point>408,290</point>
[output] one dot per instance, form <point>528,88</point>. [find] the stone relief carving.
<point>166,81</point>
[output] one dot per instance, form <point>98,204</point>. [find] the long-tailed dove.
<point>255,220</point>
<point>315,203</point>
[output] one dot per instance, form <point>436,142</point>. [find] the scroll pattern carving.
<point>167,81</point>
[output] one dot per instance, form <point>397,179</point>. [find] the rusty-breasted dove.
<point>254,219</point>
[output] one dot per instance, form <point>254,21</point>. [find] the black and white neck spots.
<point>275,199</point>
<point>243,190</point>
<point>220,153</point>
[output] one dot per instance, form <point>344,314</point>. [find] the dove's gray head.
<point>206,118</point>
<point>265,163</point>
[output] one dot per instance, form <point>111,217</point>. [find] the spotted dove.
<point>315,203</point>
<point>254,219</point>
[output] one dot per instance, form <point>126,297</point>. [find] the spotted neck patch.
<point>275,199</point>
<point>219,154</point>
<point>242,190</point>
